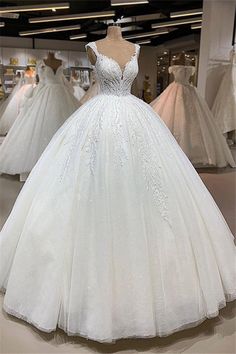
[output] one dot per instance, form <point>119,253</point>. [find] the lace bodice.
<point>48,76</point>
<point>112,79</point>
<point>182,73</point>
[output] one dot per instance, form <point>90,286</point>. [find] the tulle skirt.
<point>191,122</point>
<point>114,234</point>
<point>12,106</point>
<point>224,107</point>
<point>42,115</point>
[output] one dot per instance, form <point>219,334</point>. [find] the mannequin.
<point>180,60</point>
<point>113,46</point>
<point>53,62</point>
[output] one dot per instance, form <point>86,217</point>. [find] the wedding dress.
<point>224,107</point>
<point>52,102</point>
<point>191,122</point>
<point>11,107</point>
<point>93,89</point>
<point>78,90</point>
<point>114,234</point>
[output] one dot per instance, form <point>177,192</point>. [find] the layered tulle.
<point>114,235</point>
<point>224,107</point>
<point>12,105</point>
<point>40,118</point>
<point>191,122</point>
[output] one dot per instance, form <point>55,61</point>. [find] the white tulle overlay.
<point>224,107</point>
<point>78,90</point>
<point>92,92</point>
<point>11,107</point>
<point>42,115</point>
<point>114,235</point>
<point>191,122</point>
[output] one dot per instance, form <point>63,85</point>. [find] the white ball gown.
<point>114,234</point>
<point>191,122</point>
<point>51,104</point>
<point>224,107</point>
<point>11,107</point>
<point>78,90</point>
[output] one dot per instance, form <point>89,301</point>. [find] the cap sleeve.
<point>93,46</point>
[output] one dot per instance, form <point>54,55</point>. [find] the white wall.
<point>216,43</point>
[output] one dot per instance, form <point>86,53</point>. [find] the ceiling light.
<point>186,13</point>
<point>128,2</point>
<point>147,34</point>
<point>2,24</point>
<point>49,30</point>
<point>149,17</point>
<point>196,26</point>
<point>176,23</point>
<point>72,17</point>
<point>123,29</point>
<point>58,6</point>
<point>11,15</point>
<point>144,42</point>
<point>78,36</point>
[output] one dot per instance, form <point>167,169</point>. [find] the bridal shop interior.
<point>118,176</point>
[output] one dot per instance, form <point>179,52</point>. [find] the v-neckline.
<point>54,72</point>
<point>122,70</point>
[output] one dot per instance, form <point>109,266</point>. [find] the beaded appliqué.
<point>152,171</point>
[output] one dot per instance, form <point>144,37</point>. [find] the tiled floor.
<point>213,336</point>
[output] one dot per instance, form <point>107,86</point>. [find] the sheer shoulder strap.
<point>137,49</point>
<point>93,46</point>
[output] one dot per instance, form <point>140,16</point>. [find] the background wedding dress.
<point>114,234</point>
<point>191,122</point>
<point>224,107</point>
<point>11,107</point>
<point>52,102</point>
<point>78,90</point>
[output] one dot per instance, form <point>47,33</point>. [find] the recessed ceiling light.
<point>11,15</point>
<point>2,24</point>
<point>176,23</point>
<point>196,26</point>
<point>78,36</point>
<point>186,13</point>
<point>49,30</point>
<point>128,2</point>
<point>147,34</point>
<point>72,17</point>
<point>123,29</point>
<point>45,7</point>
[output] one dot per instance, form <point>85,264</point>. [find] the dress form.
<point>52,61</point>
<point>113,46</point>
<point>180,60</point>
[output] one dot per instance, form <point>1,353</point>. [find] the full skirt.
<point>191,122</point>
<point>224,107</point>
<point>114,234</point>
<point>42,115</point>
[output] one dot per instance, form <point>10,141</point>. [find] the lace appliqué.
<point>152,172</point>
<point>91,144</point>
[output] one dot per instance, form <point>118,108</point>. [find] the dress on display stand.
<point>92,91</point>
<point>13,104</point>
<point>114,235</point>
<point>224,107</point>
<point>52,102</point>
<point>78,90</point>
<point>191,122</point>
